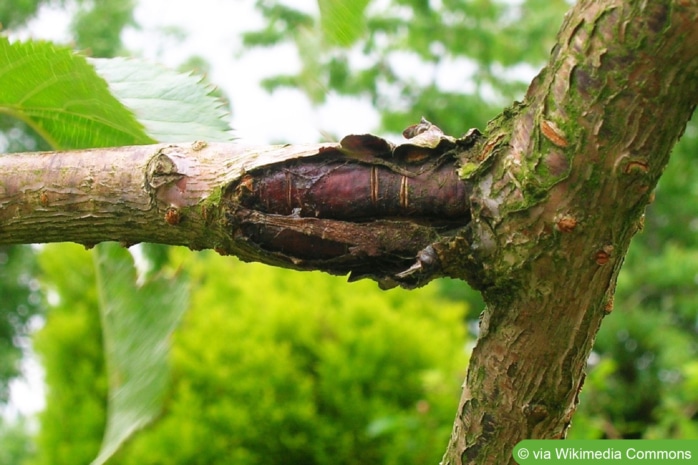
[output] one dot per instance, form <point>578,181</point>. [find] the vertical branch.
<point>570,172</point>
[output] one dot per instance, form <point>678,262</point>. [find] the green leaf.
<point>174,107</point>
<point>61,96</point>
<point>342,21</point>
<point>137,321</point>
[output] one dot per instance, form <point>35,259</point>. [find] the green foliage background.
<point>268,367</point>
<point>278,367</point>
<point>271,366</point>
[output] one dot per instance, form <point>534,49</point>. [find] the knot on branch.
<point>164,181</point>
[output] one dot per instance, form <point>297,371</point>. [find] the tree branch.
<point>566,179</point>
<point>538,217</point>
<point>363,206</point>
<point>123,194</point>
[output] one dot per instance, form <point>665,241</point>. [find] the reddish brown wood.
<point>342,188</point>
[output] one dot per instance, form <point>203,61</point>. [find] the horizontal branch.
<point>125,194</point>
<point>363,206</point>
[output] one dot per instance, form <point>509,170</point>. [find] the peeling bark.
<point>569,173</point>
<point>539,216</point>
<point>362,207</point>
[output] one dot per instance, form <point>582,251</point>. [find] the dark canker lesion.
<point>338,188</point>
<point>367,207</point>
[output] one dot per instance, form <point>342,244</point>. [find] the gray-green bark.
<point>571,171</point>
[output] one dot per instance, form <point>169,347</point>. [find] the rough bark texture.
<point>565,182</point>
<point>363,206</point>
<point>153,193</point>
<point>539,217</point>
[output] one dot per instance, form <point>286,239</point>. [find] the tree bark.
<point>567,176</point>
<point>126,194</point>
<point>363,206</point>
<point>539,216</point>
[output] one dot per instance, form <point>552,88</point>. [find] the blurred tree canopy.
<point>350,373</point>
<point>455,62</point>
<point>21,301</point>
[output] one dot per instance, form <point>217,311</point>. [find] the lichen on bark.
<point>569,173</point>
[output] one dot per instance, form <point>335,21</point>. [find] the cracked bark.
<point>555,208</point>
<point>538,218</point>
<point>362,207</point>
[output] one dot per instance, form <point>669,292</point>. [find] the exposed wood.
<point>550,198</point>
<point>363,206</point>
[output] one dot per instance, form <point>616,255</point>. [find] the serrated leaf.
<point>342,21</point>
<point>174,107</point>
<point>137,322</point>
<point>59,94</point>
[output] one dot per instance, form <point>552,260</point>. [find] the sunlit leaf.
<point>137,321</point>
<point>342,21</point>
<point>61,96</point>
<point>174,107</point>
